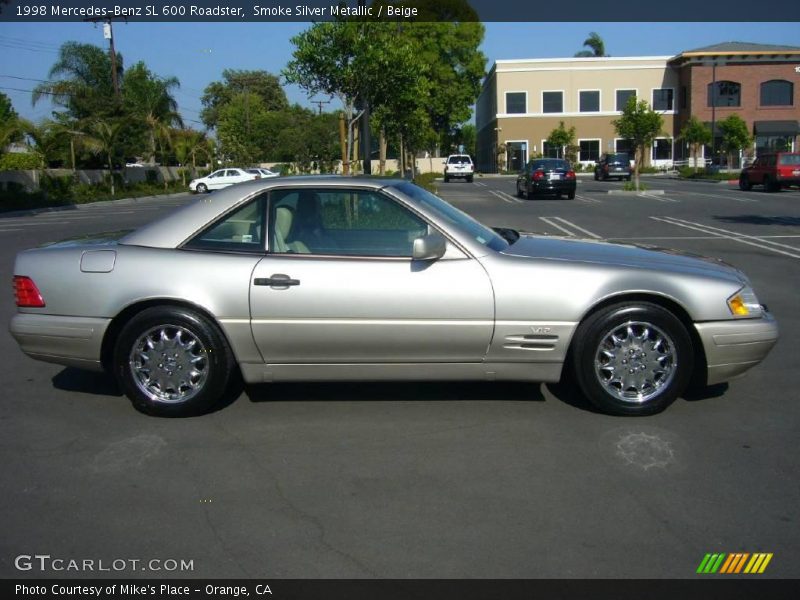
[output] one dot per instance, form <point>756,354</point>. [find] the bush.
<point>630,186</point>
<point>151,176</point>
<point>20,161</point>
<point>425,180</point>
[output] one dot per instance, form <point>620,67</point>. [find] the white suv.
<point>458,165</point>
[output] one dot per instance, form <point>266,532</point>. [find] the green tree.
<point>564,138</point>
<point>102,137</point>
<point>695,134</point>
<point>735,136</point>
<point>81,81</point>
<point>447,38</point>
<point>243,128</point>
<point>149,99</point>
<point>641,125</point>
<point>262,84</point>
<point>189,146</point>
<point>12,127</point>
<point>596,45</point>
<point>359,62</point>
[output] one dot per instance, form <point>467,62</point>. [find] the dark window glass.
<point>551,151</point>
<point>777,93</point>
<point>728,93</point>
<point>622,98</point>
<point>590,101</point>
<point>789,159</point>
<point>590,150</point>
<point>515,103</point>
<point>662,99</point>
<point>549,165</point>
<point>342,222</point>
<point>624,146</point>
<point>239,231</point>
<point>552,102</point>
<point>662,150</point>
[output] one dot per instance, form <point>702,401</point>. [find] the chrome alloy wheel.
<point>169,364</point>
<point>635,361</point>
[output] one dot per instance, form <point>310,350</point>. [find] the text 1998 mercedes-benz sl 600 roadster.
<point>332,278</point>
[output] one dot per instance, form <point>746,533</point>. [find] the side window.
<point>216,174</point>
<point>342,222</point>
<point>239,231</point>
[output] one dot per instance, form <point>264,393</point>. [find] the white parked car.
<point>458,165</point>
<point>262,173</point>
<point>219,179</point>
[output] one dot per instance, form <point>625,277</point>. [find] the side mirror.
<point>429,247</point>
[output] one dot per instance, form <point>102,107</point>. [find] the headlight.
<point>745,304</point>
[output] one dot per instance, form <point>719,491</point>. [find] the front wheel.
<point>173,362</point>
<point>744,184</point>
<point>202,188</point>
<point>632,359</point>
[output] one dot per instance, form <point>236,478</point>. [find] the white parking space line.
<point>5,230</point>
<point>481,184</point>
<point>510,197</point>
<point>504,197</point>
<point>728,197</point>
<point>588,200</point>
<point>740,238</point>
<point>557,226</point>
<point>658,197</point>
<point>581,229</point>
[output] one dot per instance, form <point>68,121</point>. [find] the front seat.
<point>284,217</point>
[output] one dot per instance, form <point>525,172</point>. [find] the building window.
<point>622,98</point>
<point>624,146</point>
<point>589,101</point>
<point>590,150</point>
<point>516,103</point>
<point>551,151</point>
<point>662,149</point>
<point>728,93</point>
<point>552,102</point>
<point>777,93</point>
<point>662,99</point>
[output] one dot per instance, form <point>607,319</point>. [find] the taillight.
<point>26,293</point>
<point>537,175</point>
<point>570,174</point>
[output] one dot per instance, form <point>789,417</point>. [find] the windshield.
<point>618,158</point>
<point>459,160</point>
<point>479,232</point>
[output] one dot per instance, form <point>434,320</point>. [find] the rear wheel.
<point>446,179</point>
<point>469,179</point>
<point>173,362</point>
<point>628,178</point>
<point>571,195</point>
<point>632,359</point>
<point>520,194</point>
<point>596,176</point>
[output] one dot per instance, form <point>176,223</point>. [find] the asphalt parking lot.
<point>422,480</point>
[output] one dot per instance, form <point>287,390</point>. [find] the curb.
<point>87,206</point>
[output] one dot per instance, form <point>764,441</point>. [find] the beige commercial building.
<point>523,101</point>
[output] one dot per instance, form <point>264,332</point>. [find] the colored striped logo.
<point>739,562</point>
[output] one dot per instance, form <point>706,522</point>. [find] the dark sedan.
<point>546,176</point>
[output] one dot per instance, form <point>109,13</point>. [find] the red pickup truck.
<point>774,171</point>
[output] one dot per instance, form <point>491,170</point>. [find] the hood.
<point>108,238</point>
<point>622,255</point>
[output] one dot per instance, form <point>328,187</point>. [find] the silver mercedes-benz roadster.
<point>332,278</point>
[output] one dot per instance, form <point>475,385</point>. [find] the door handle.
<point>279,281</point>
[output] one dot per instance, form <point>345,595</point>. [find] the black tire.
<point>202,188</point>
<point>628,178</point>
<point>652,326</point>
<point>744,183</point>
<point>469,179</point>
<point>446,179</point>
<point>520,194</point>
<point>571,196</point>
<point>204,349</point>
<point>771,186</point>
<point>529,194</point>
<point>596,176</point>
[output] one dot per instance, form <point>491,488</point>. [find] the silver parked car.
<point>330,278</point>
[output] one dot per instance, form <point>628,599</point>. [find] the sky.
<point>196,53</point>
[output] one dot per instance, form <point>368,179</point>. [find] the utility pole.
<point>319,103</point>
<point>108,33</point>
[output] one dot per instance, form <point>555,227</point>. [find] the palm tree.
<point>189,145</point>
<point>102,136</point>
<point>595,42</point>
<point>81,81</point>
<point>150,98</point>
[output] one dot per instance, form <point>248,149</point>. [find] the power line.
<point>27,78</point>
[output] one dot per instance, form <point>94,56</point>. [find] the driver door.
<point>339,285</point>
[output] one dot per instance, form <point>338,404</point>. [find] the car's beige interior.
<point>284,218</point>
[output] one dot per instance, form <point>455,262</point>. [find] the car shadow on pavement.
<point>86,382</point>
<point>394,391</point>
<point>760,220</point>
<point>705,392</point>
